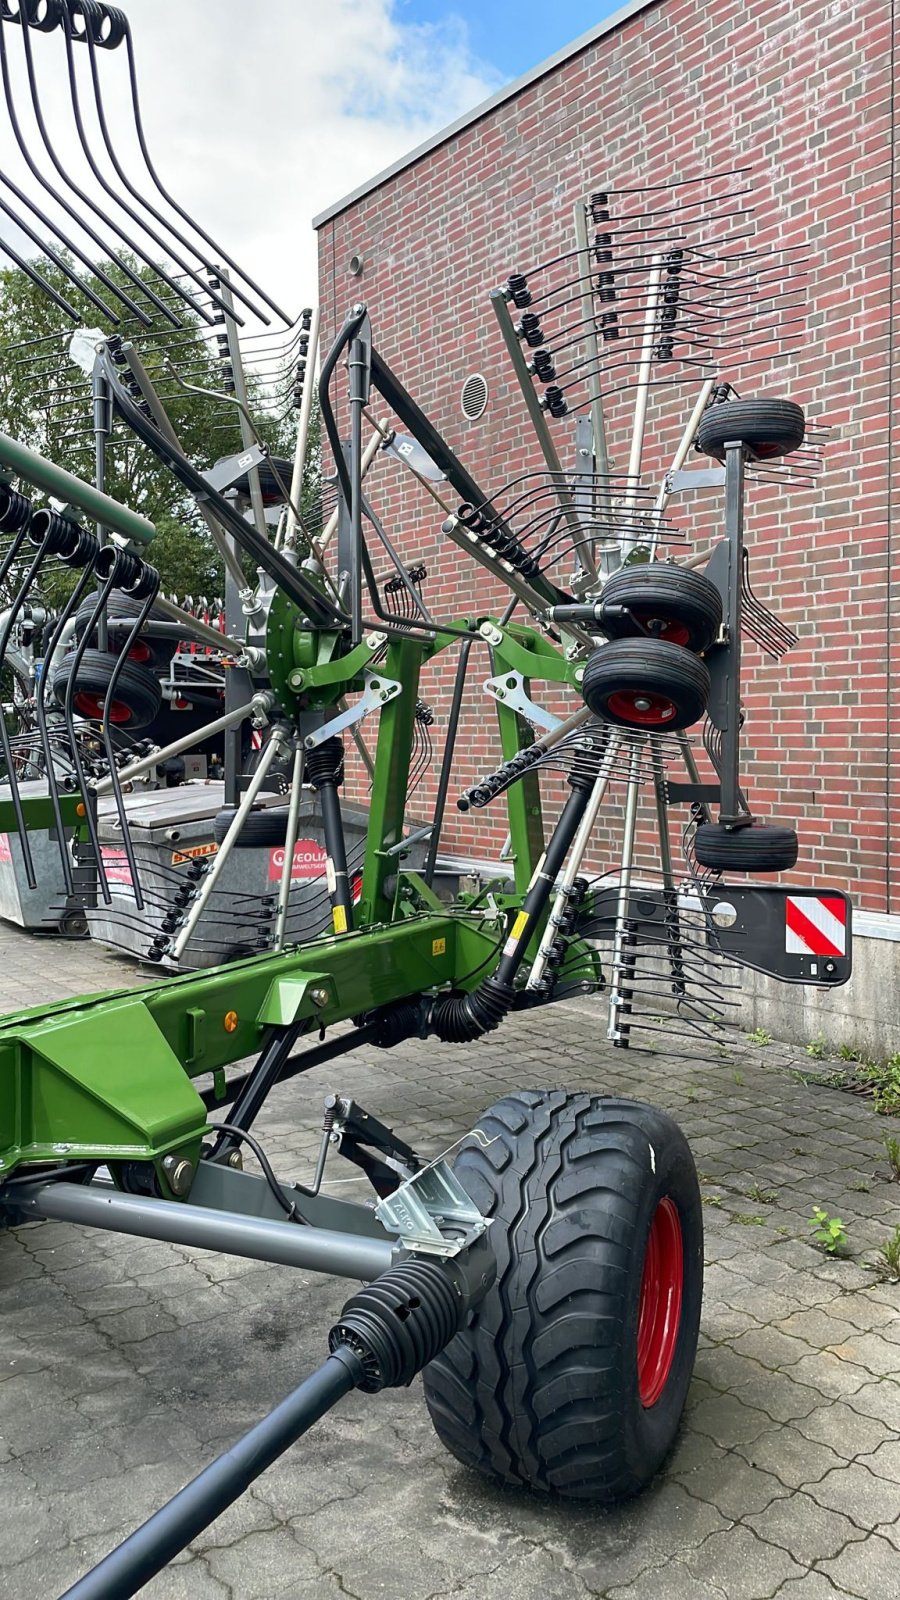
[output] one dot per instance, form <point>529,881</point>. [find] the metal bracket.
<point>509,688</point>
<point>378,691</point>
<point>694,478</point>
<point>229,471</point>
<point>431,1213</point>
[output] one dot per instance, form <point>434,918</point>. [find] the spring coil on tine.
<point>15,509</point>
<point>128,572</point>
<point>63,536</point>
<point>44,15</point>
<point>86,18</point>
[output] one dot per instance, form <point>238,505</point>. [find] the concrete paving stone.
<point>809,1532</point>
<point>674,1580</point>
<point>741,1565</point>
<point>880,1400</point>
<point>778,1395</point>
<point>27,1524</point>
<point>858,1493</point>
<point>728,1421</point>
<point>890,1531</point>
<point>771,1348</point>
<point>867,1568</point>
<point>812,1586</point>
<point>816,1326</point>
<point>884,1460</point>
<point>111,1501</point>
<point>188,1581</point>
<point>846,1431</point>
<point>764,1305</point>
<point>728,1482</point>
<point>791,1457</point>
<point>876,1354</point>
<point>262,1562</point>
<point>830,1375</point>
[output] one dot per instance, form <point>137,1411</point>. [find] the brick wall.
<point>801,94</point>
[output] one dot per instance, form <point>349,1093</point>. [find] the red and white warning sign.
<point>815,925</point>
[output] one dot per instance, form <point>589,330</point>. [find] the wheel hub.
<point>659,1314</point>
<point>647,710</point>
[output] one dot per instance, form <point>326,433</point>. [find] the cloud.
<point>258,115</point>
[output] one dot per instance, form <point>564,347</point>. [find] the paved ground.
<point>124,1366</point>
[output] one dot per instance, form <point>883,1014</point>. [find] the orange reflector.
<point>231,1021</point>
<point>81,809</point>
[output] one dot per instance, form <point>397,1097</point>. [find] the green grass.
<point>759,1036</point>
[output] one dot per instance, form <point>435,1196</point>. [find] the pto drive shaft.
<point>387,1333</point>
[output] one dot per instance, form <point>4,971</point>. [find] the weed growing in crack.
<point>759,1036</point>
<point>889,1258</point>
<point>829,1232</point>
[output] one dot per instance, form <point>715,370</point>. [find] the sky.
<point>260,115</point>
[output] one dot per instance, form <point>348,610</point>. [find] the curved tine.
<point>208,266</point>
<point>29,271</point>
<point>45,183</point>
<point>85,198</point>
<point>222,255</point>
<point>68,610</point>
<point>195,306</point>
<point>52,255</point>
<point>5,632</point>
<point>121,659</point>
<point>69,713</point>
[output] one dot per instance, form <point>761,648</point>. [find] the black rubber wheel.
<point>759,847</point>
<point>666,602</point>
<point>146,651</point>
<point>137,698</point>
<point>770,428</point>
<point>264,827</point>
<point>646,683</point>
<point>572,1374</point>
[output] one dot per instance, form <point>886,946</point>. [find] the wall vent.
<point>474,396</point>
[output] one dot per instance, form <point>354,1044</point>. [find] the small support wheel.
<point>137,699</point>
<point>759,847</point>
<point>768,428</point>
<point>665,602</point>
<point>572,1374</point>
<point>265,827</point>
<point>646,683</point>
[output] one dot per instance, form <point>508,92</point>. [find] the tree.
<point>45,401</point>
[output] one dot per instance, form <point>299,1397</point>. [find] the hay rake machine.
<point>548,1283</point>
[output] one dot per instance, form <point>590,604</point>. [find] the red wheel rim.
<point>91,706</point>
<point>642,709</point>
<point>659,1316</point>
<point>673,632</point>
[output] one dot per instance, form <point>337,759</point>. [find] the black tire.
<point>147,651</point>
<point>769,428</point>
<point>137,698</point>
<point>264,827</point>
<point>759,847</point>
<point>542,1389</point>
<point>646,684</point>
<point>666,602</point>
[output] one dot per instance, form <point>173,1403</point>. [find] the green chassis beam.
<point>62,485</point>
<point>39,812</point>
<point>108,1077</point>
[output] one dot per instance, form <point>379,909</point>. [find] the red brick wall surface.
<point>802,95</point>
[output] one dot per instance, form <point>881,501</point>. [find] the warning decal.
<point>815,925</point>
